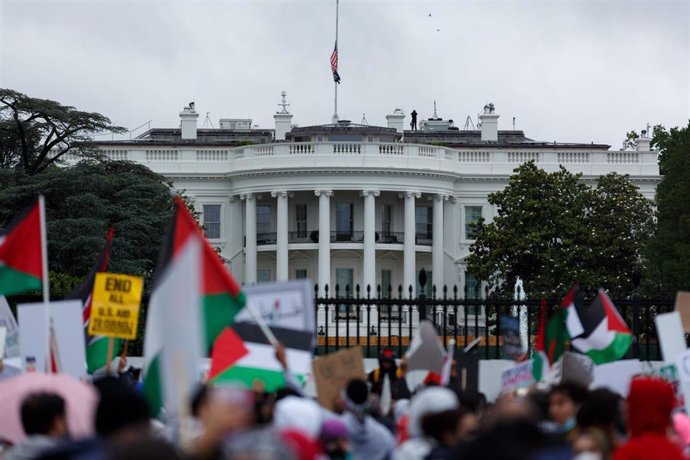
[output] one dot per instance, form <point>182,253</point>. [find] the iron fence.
<point>388,318</point>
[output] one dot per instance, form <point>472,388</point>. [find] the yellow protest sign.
<point>115,305</point>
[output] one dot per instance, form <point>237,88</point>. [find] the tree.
<point>82,201</point>
<point>36,133</point>
<point>553,230</point>
<point>669,252</point>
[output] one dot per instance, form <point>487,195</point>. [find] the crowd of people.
<point>564,421</point>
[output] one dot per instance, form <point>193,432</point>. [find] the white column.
<point>409,244</point>
<point>437,244</point>
<point>324,240</point>
<point>250,237</point>
<point>369,259</point>
<point>281,235</point>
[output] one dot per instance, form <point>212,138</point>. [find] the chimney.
<point>644,141</point>
<point>283,119</point>
<point>188,118</point>
<point>396,120</point>
<point>489,121</point>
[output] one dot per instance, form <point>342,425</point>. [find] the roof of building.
<point>466,138</point>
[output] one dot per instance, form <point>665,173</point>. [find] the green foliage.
<point>82,201</point>
<point>669,252</point>
<point>552,230</point>
<point>36,133</point>
<point>630,142</point>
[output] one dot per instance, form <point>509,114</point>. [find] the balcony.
<point>390,237</point>
<point>265,238</point>
<point>423,239</point>
<point>381,237</point>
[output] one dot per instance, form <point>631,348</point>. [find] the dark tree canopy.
<point>36,133</point>
<point>669,252</point>
<point>552,230</point>
<point>82,201</point>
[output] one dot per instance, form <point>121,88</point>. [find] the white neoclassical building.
<point>353,204</point>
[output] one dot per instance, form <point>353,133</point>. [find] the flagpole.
<point>335,83</point>
<point>44,272</point>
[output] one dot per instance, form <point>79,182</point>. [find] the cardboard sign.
<point>115,305</point>
<point>333,371</point>
<point>33,341</point>
<point>683,307</point>
<point>510,329</point>
<point>519,376</point>
<point>12,339</point>
<point>671,337</point>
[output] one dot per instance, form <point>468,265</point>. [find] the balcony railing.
<point>423,239</point>
<point>303,237</point>
<point>390,237</point>
<point>266,238</point>
<point>312,236</point>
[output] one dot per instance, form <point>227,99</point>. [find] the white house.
<point>352,204</point>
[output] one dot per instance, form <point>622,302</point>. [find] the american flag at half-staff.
<point>334,63</point>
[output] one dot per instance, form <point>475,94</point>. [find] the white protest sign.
<point>33,341</point>
<point>286,304</point>
<point>3,334</point>
<point>671,337</point>
<point>683,366</point>
<point>516,377</point>
<point>616,376</point>
<point>12,339</point>
<point>69,333</point>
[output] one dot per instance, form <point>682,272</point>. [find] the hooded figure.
<point>396,375</point>
<point>650,403</point>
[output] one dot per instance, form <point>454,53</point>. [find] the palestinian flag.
<point>599,331</point>
<point>194,296</point>
<point>253,356</point>
<point>551,339</point>
<point>20,254</point>
<point>96,346</point>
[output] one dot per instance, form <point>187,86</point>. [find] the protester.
<point>369,439</point>
<point>396,376</point>
<point>427,402</point>
<point>444,430</point>
<point>335,440</point>
<point>44,421</point>
<point>564,401</point>
<point>592,444</point>
<point>649,405</point>
<point>601,409</point>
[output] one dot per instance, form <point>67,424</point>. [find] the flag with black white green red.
<point>198,287</point>
<point>598,331</point>
<point>288,308</point>
<point>96,345</point>
<point>20,254</point>
<point>551,340</point>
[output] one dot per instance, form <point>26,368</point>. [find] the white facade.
<point>366,212</point>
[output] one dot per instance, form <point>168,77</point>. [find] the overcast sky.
<point>568,70</point>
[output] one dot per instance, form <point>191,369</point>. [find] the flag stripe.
<point>290,338</point>
<point>15,282</point>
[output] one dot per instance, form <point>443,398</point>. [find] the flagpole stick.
<point>44,273</point>
<point>261,322</point>
<point>335,83</point>
<point>109,356</point>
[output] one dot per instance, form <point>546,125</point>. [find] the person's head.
<point>446,426</point>
<point>592,443</point>
<point>564,400</point>
<point>334,438</point>
<point>44,414</point>
<point>122,414</point>
<point>356,397</point>
<point>298,414</point>
<point>600,409</point>
<point>650,403</point>
<point>387,360</point>
<point>429,401</point>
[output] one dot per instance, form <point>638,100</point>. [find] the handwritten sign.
<point>115,305</point>
<point>333,371</point>
<point>516,377</point>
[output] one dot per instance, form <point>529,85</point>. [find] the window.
<point>343,281</point>
<point>301,220</point>
<point>263,219</point>
<point>343,221</point>
<point>301,273</point>
<point>423,222</point>
<point>386,284</point>
<point>473,290</point>
<point>212,221</point>
<point>387,221</point>
<point>473,215</point>
<point>263,276</point>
